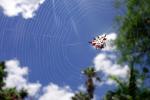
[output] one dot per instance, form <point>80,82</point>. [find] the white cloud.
<point>111,36</point>
<point>33,88</point>
<point>82,88</point>
<point>106,62</point>
<point>54,92</point>
<point>26,8</point>
<point>17,78</point>
<point>109,42</point>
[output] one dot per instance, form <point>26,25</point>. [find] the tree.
<point>134,37</point>
<point>2,74</point>
<point>90,74</point>
<point>9,93</point>
<point>133,44</point>
<point>81,96</point>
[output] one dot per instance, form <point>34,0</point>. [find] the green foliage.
<point>134,38</point>
<point>121,84</point>
<point>81,96</point>
<point>145,70</point>
<point>9,93</point>
<point>133,43</point>
<point>2,74</point>
<point>89,72</point>
<point>23,93</point>
<point>129,90</point>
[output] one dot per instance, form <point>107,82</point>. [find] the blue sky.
<point>54,42</point>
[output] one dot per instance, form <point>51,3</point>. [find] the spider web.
<point>49,42</point>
